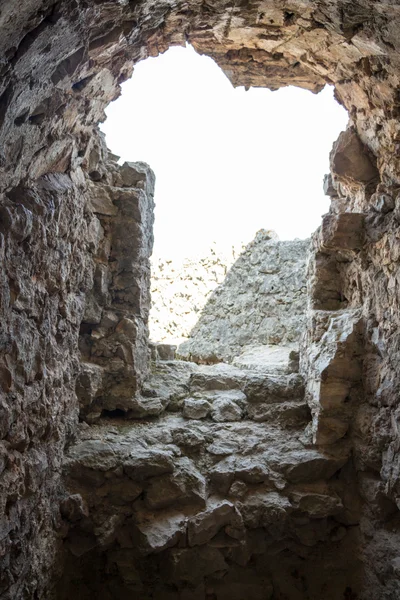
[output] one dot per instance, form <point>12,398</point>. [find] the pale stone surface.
<point>253,487</point>
<point>268,359</point>
<point>196,408</point>
<point>261,302</point>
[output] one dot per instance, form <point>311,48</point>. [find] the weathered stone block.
<point>350,160</point>
<point>344,231</point>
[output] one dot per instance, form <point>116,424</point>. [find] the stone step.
<point>277,360</point>
<point>159,486</point>
<point>254,384</point>
<point>223,393</point>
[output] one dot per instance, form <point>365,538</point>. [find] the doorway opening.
<point>228,162</point>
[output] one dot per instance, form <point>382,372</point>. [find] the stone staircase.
<point>219,495</point>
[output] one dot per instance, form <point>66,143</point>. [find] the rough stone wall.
<point>261,302</point>
<point>61,63</point>
<point>352,341</point>
<point>114,333</point>
<point>45,271</point>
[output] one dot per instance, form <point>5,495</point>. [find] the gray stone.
<point>350,160</point>
<point>185,486</point>
<point>260,303</point>
<point>217,377</point>
<point>268,359</point>
<point>145,463</point>
<point>100,201</point>
<point>205,525</point>
<point>264,509</point>
<point>89,383</point>
<point>62,63</point>
<point>196,408</point>
<point>316,505</point>
<point>225,409</point>
<point>153,534</point>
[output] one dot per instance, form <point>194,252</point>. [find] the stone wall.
<point>114,335</point>
<point>261,302</point>
<point>45,272</point>
<point>61,64</point>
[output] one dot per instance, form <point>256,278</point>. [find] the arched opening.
<point>228,163</point>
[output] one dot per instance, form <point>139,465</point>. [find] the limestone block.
<point>309,465</point>
<point>268,359</point>
<point>145,463</point>
<point>344,231</point>
<point>218,377</point>
<point>263,509</point>
<point>334,376</point>
<point>187,438</point>
<point>325,282</point>
<point>287,414</point>
<point>89,383</point>
<point>169,381</point>
<point>100,200</point>
<point>316,505</point>
<point>196,408</point>
<point>138,407</point>
<point>135,174</point>
<point>270,389</point>
<point>349,159</point>
<point>205,525</point>
<point>153,533</point>
<point>185,486</point>
<point>224,409</point>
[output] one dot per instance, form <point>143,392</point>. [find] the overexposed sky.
<point>227,162</point>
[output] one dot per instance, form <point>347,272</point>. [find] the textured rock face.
<point>222,496</point>
<point>114,336</point>
<point>261,302</point>
<point>61,63</point>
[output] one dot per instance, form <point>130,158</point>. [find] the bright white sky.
<point>227,162</point>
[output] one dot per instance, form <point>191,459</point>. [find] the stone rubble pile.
<point>222,496</point>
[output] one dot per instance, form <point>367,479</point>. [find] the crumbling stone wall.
<point>261,302</point>
<point>113,339</point>
<point>61,63</point>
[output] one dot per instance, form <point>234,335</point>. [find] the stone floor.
<point>221,496</point>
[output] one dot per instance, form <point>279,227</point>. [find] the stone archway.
<point>61,64</point>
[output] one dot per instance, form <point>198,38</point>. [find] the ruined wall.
<point>226,303</point>
<point>61,63</point>
<point>113,339</point>
<point>261,302</point>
